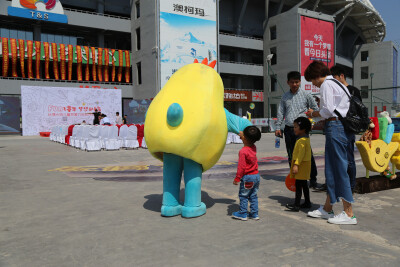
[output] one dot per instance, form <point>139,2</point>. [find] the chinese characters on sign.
<point>189,10</point>
<point>233,95</point>
<point>70,111</point>
<point>318,50</point>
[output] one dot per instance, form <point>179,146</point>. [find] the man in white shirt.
<point>105,120</point>
<point>118,119</point>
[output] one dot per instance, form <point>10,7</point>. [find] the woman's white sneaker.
<point>321,213</point>
<point>343,218</point>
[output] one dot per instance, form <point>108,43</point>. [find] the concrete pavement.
<point>63,207</point>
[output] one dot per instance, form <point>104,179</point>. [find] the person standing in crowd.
<point>334,100</point>
<point>339,74</point>
<point>97,115</point>
<point>294,104</point>
<point>118,119</point>
<point>247,175</point>
<point>301,165</point>
<point>124,119</point>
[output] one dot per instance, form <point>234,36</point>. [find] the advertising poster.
<point>44,107</point>
<point>135,109</point>
<point>10,112</point>
<point>317,42</point>
<point>188,30</point>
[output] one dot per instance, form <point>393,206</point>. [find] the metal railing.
<point>96,13</point>
<point>241,36</point>
<point>242,63</point>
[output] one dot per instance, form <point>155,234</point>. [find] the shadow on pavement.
<point>288,200</point>
<point>154,201</point>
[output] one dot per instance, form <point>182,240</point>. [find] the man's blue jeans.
<point>248,192</point>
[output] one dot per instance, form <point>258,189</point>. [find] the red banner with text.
<point>317,42</point>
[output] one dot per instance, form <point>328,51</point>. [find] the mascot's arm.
<point>236,124</point>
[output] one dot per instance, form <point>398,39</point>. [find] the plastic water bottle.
<point>277,142</point>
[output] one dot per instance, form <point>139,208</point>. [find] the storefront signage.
<point>47,10</point>
<point>257,96</point>
<point>237,96</point>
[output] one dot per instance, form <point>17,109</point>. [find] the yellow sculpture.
<point>377,157</point>
<point>396,156</point>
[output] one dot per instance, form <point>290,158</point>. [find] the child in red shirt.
<point>247,174</point>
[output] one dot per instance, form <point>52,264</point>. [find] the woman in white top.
<point>333,98</point>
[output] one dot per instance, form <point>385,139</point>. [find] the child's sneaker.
<point>239,216</point>
<point>343,218</point>
<point>254,216</point>
<point>321,213</point>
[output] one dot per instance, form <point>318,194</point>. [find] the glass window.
<point>29,35</point>
<point>364,56</point>
<point>138,39</point>
<point>364,73</point>
<point>139,72</point>
<point>5,32</point>
<point>65,39</point>
<point>58,39</point>
<point>273,83</point>
<point>50,38</point>
<point>274,111</point>
<point>14,34</point>
<point>137,5</point>
<point>274,59</point>
<point>272,32</point>
<point>364,91</point>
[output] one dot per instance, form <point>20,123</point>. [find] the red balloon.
<point>290,183</point>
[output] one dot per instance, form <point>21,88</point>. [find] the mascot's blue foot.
<point>190,212</point>
<point>169,211</point>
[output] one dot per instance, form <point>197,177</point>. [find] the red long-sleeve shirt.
<point>247,162</point>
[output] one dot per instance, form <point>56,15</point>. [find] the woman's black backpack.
<point>356,120</point>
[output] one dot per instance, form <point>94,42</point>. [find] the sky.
<point>389,10</point>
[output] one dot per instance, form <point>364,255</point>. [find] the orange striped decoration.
<point>113,65</point>
<point>106,63</point>
<point>21,44</point>
<point>54,51</point>
<point>120,61</point>
<point>5,56</point>
<point>70,60</point>
<point>37,61</point>
<point>79,62</point>
<point>46,47</point>
<point>14,57</point>
<point>29,45</point>
<point>62,62</point>
<point>87,73</point>
<point>100,64</point>
<point>93,63</point>
<point>127,66</point>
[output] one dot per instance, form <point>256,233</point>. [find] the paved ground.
<point>64,207</point>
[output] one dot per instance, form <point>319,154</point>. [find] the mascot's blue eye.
<point>174,114</point>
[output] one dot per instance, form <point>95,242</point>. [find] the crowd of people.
<point>101,118</point>
<point>296,108</point>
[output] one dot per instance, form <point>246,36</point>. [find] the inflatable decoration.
<point>396,156</point>
<point>186,127</point>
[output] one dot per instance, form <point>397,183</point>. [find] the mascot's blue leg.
<point>172,174</point>
<point>193,206</point>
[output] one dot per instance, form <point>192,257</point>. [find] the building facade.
<point>248,31</point>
